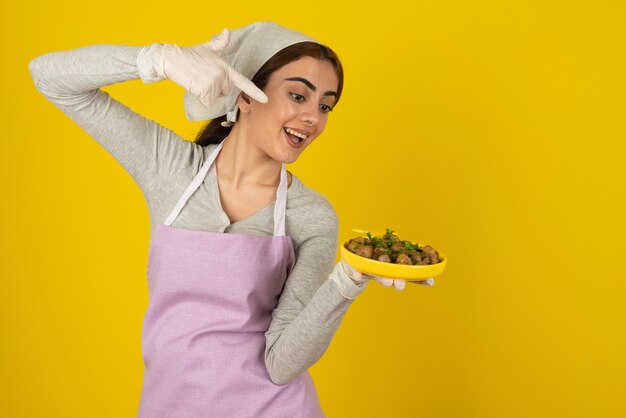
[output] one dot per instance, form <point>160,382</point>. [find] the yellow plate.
<point>391,270</point>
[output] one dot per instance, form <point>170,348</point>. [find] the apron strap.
<point>280,207</point>
<point>195,183</point>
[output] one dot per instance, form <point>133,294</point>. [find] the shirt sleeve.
<point>71,80</point>
<point>314,300</point>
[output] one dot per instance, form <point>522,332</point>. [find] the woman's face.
<point>300,95</point>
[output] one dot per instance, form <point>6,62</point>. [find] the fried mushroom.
<point>403,259</point>
<point>431,254</point>
<point>365,251</point>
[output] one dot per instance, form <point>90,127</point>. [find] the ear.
<point>244,102</point>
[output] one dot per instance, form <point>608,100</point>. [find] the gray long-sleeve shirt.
<point>315,296</point>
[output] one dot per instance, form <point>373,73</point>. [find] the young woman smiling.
<point>244,295</point>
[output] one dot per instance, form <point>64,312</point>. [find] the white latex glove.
<point>202,71</point>
<point>398,284</point>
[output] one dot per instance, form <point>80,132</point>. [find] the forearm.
<point>71,80</point>
<point>63,75</point>
<point>305,339</point>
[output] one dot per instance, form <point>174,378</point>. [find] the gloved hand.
<point>202,71</point>
<point>398,284</point>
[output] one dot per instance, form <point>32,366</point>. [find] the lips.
<point>294,141</point>
<point>297,133</point>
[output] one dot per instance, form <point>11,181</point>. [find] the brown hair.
<point>213,132</point>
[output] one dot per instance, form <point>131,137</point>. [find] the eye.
<point>325,108</point>
<point>297,97</point>
<point>300,98</point>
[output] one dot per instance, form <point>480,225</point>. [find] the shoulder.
<point>304,197</point>
<point>206,150</point>
<point>324,210</point>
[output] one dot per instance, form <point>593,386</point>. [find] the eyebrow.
<point>311,85</point>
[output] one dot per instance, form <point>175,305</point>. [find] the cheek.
<point>283,105</point>
<point>322,126</point>
<point>281,111</point>
<point>271,117</point>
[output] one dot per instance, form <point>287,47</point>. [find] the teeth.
<point>298,134</point>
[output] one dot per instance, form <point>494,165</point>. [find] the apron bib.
<point>211,296</point>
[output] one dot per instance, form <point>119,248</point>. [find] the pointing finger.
<point>247,86</point>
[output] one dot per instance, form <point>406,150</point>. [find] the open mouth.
<point>295,136</point>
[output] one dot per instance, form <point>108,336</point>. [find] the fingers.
<point>399,284</point>
<point>354,274</point>
<point>384,281</point>
<point>217,44</point>
<point>220,41</point>
<point>247,86</point>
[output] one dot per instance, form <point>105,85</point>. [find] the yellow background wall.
<point>492,130</point>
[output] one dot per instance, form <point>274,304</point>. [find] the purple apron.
<point>211,296</point>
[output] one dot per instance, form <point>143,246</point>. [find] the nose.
<point>310,114</point>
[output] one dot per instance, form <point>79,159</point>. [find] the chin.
<point>288,156</point>
<point>290,160</point>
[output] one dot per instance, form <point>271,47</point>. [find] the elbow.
<point>276,379</point>
<point>41,73</point>
<point>278,376</point>
<point>34,67</point>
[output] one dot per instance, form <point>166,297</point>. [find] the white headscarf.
<point>249,48</point>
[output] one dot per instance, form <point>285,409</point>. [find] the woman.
<point>240,304</point>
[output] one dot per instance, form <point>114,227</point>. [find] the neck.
<point>242,164</point>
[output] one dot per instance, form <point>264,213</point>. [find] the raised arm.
<point>315,298</point>
<point>71,80</point>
